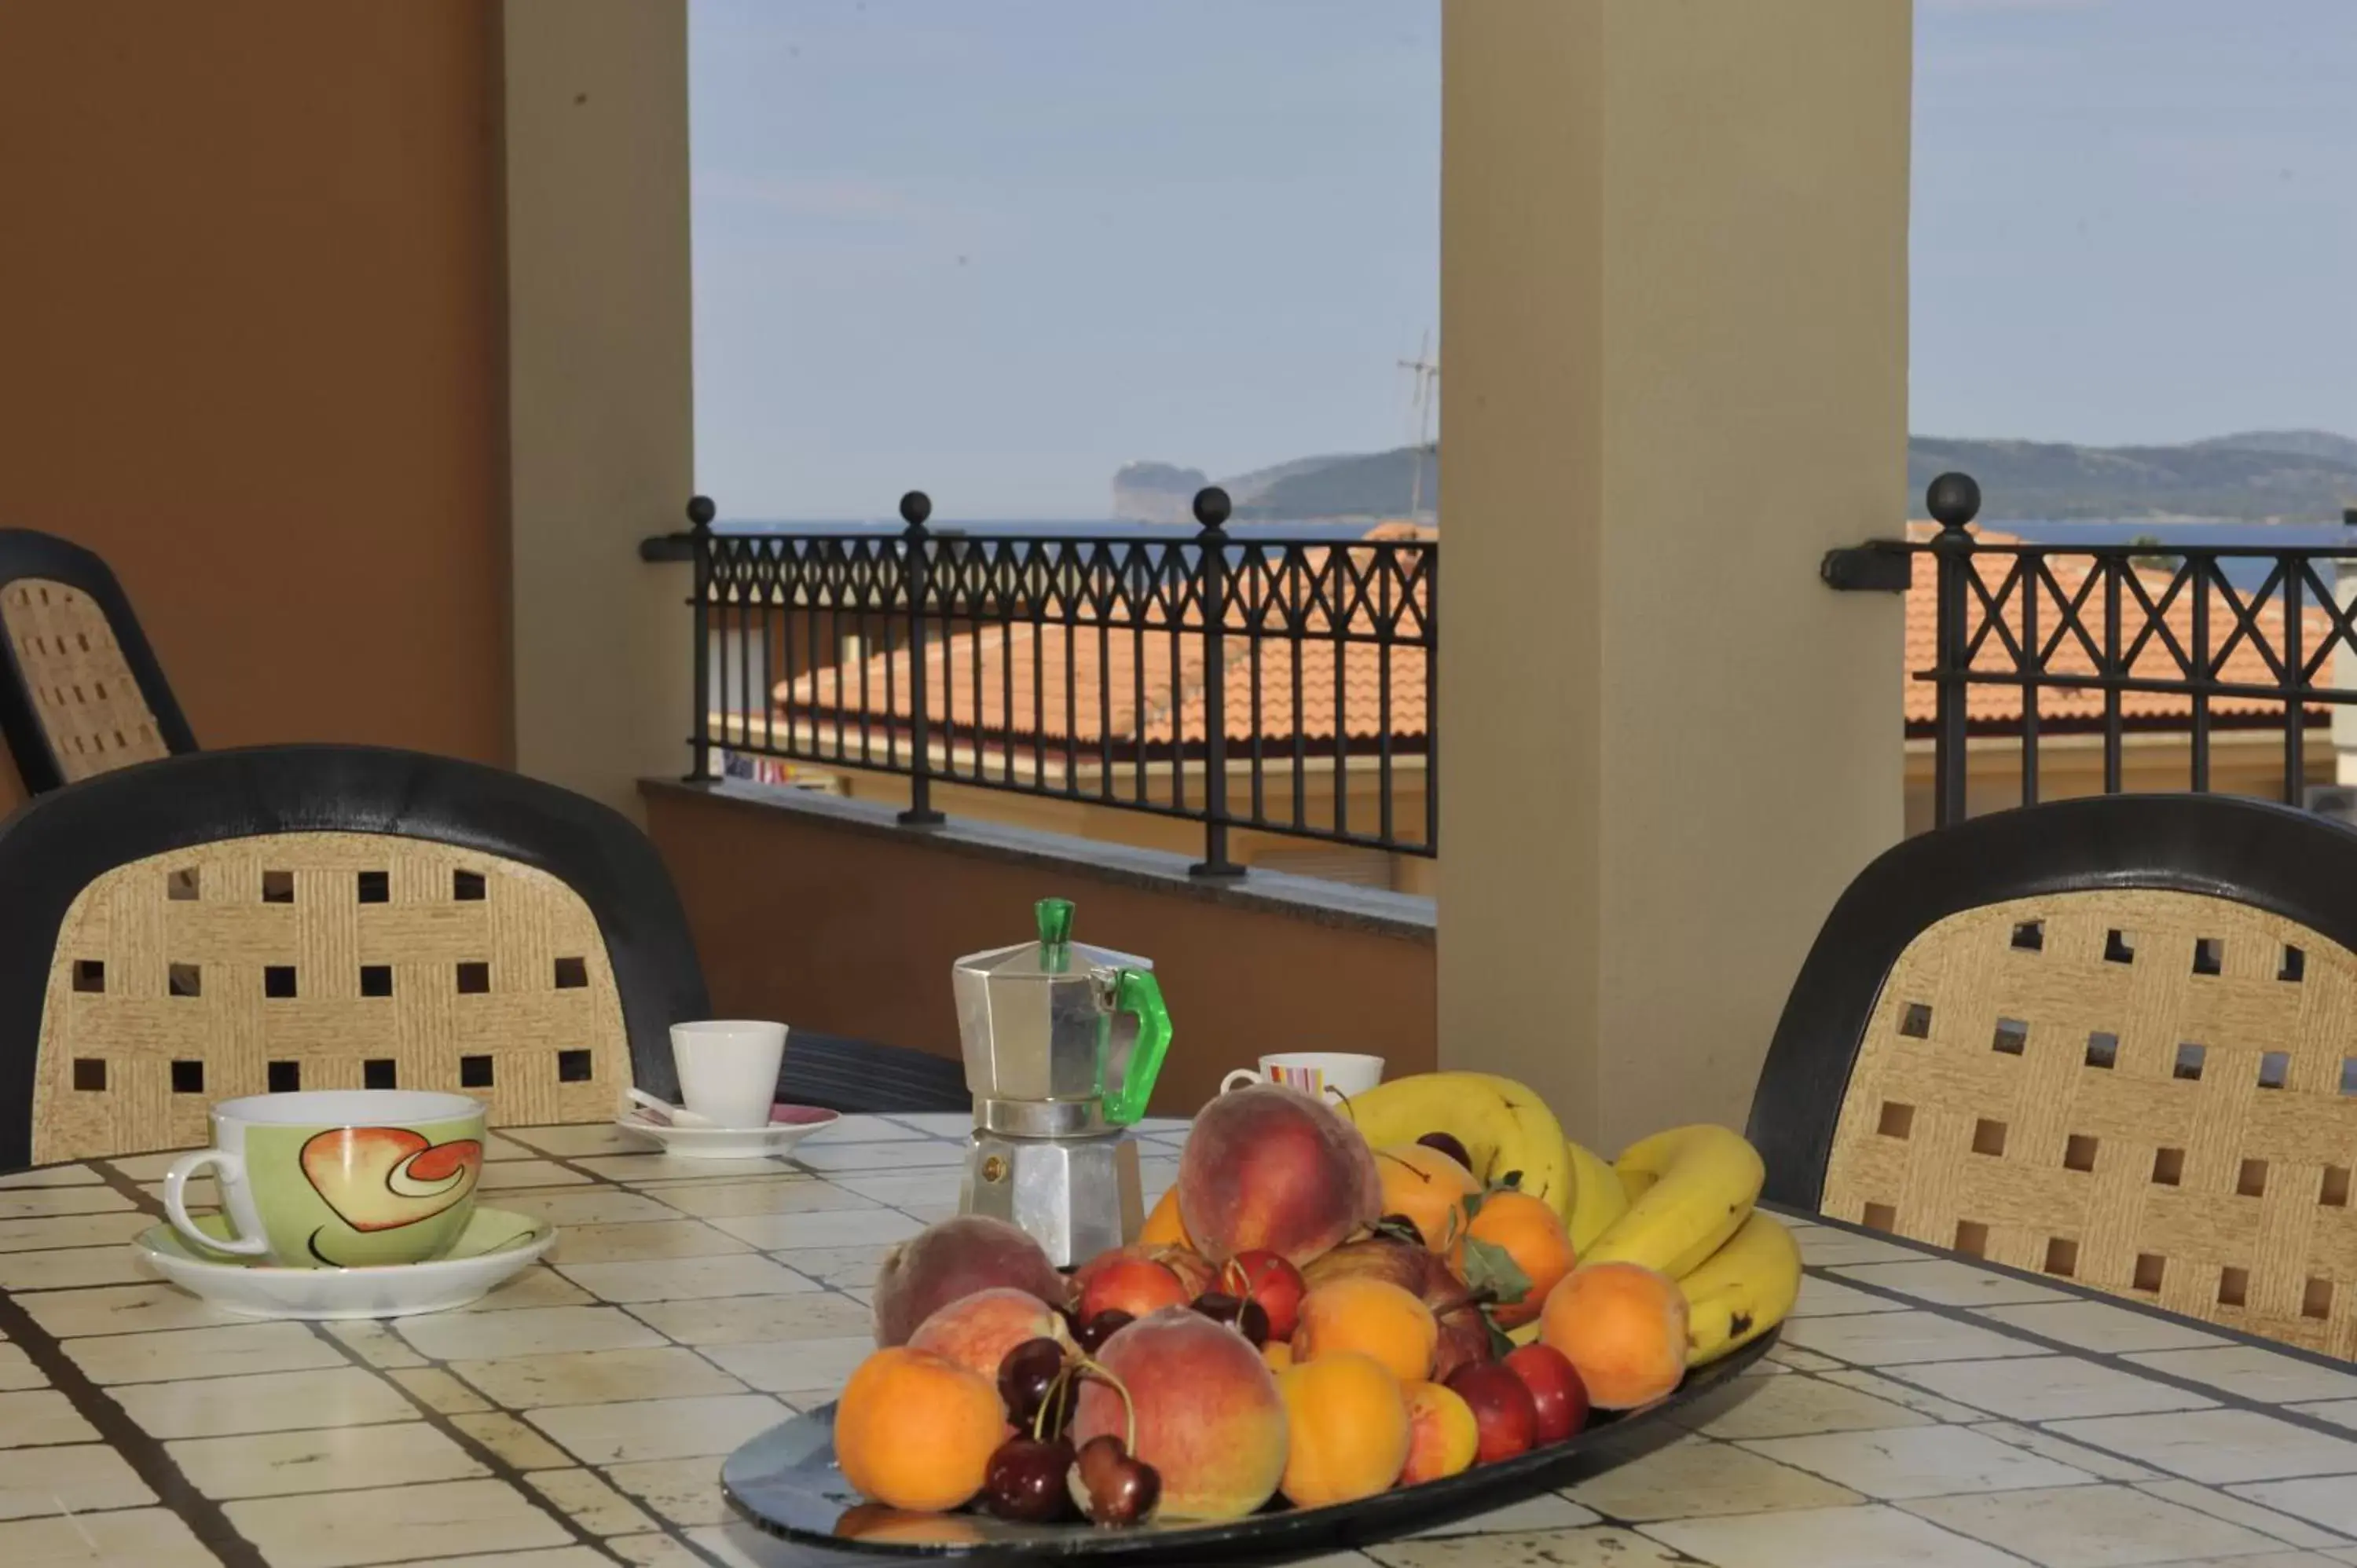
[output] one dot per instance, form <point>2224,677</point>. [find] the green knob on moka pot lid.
<point>1055,917</point>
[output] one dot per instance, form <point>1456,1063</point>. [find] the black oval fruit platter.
<point>787,1482</point>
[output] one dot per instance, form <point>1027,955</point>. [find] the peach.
<point>1208,1418</point>
<point>1348,1430</point>
<point>1426,1189</point>
<point>1163,1226</point>
<point>916,1431</point>
<point>954,1259</point>
<point>1464,1332</point>
<point>977,1331</point>
<point>1442,1438</point>
<point>1623,1327</point>
<point>1369,1317</point>
<point>1269,1168</point>
<point>1528,1230</point>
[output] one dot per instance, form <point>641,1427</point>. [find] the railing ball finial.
<point>1954,499</point>
<point>915,508</point>
<point>1212,507</point>
<point>701,512</point>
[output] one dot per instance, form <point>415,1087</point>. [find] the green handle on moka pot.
<point>1135,993</point>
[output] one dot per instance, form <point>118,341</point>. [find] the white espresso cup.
<point>728,1068</point>
<point>1336,1074</point>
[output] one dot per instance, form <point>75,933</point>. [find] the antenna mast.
<point>1426,372</point>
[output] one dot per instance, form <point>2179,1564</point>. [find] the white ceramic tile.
<point>2328,1500</point>
<point>952,1124</point>
<point>1866,1537</point>
<point>2078,1455</point>
<point>1545,1511</point>
<point>392,1524</point>
<point>1794,1358</point>
<point>1917,1462</point>
<point>72,1478</point>
<point>2217,1446</point>
<point>658,1551</point>
<point>1822,1297</point>
<point>749,1319</point>
<point>34,1203</point>
<point>1695,1476</point>
<point>1796,1406</point>
<point>467,1336</point>
<point>596,1377</point>
<point>18,1371</point>
<point>1825,1247</point>
<point>2047,1388</point>
<point>499,1146</point>
<point>598,1206</point>
<point>150,1538</point>
<point>555,1557</point>
<point>2234,1510</point>
<point>536,1286</point>
<point>235,1351</point>
<point>838,1266</point>
<point>439,1391</point>
<point>684,1492</point>
<point>674,1279</point>
<point>51,1176</point>
<point>70,1268</point>
<point>1902,1338</point>
<point>656,1167</point>
<point>2340,1412</point>
<point>2250,1372</point>
<point>32,1417</point>
<point>779,1232</point>
<point>660,1239</point>
<point>510,1441</point>
<point>2089,1527</point>
<point>659,1429</point>
<point>72,1230</point>
<point>374,1343</point>
<point>588,1138</point>
<point>776,1195</point>
<point>147,1168</point>
<point>1905,1394</point>
<point>589,1502</point>
<point>269,1402</point>
<point>333,1459</point>
<point>1943,1282</point>
<point>2100,1327</point>
<point>508,1176</point>
<point>829,1158</point>
<point>118,1309</point>
<point>863,1130</point>
<point>1596,1546</point>
<point>801,1365</point>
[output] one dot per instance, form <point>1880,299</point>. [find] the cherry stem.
<point>1057,1392</point>
<point>1103,1374</point>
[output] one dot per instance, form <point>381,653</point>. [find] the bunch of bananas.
<point>1680,1201</point>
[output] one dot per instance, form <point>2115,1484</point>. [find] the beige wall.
<point>250,289</point>
<point>853,932</point>
<point>1674,303</point>
<point>600,416</point>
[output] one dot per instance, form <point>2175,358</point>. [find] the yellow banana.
<point>1503,1126</point>
<point>1597,1197</point>
<point>1704,1180</point>
<point>1741,1291</point>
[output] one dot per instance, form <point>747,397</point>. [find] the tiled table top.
<point>1920,1409</point>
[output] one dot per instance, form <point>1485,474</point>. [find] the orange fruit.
<point>1347,1429</point>
<point>1164,1228</point>
<point>1624,1327</point>
<point>1530,1232</point>
<point>916,1431</point>
<point>1428,1187</point>
<point>1370,1318</point>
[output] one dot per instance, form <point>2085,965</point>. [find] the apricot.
<point>1426,1189</point>
<point>977,1331</point>
<point>1369,1317</point>
<point>1349,1429</point>
<point>1272,1169</point>
<point>1208,1419</point>
<point>915,1431</point>
<point>1531,1233</point>
<point>1163,1226</point>
<point>1278,1354</point>
<point>956,1258</point>
<point>1623,1328</point>
<point>1442,1437</point>
<point>1464,1332</point>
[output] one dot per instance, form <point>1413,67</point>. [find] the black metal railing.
<point>2032,641</point>
<point>1281,685</point>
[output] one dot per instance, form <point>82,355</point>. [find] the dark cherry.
<point>1030,1479</point>
<point>1112,1486</point>
<point>1092,1334</point>
<point>1447,1145</point>
<point>1027,1374</point>
<point>1250,1318</point>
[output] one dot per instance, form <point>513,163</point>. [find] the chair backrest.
<point>2113,1040</point>
<point>322,916</point>
<point>81,692</point>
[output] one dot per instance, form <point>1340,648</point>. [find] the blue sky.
<point>996,248</point>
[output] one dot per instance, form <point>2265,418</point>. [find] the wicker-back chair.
<point>324,917</point>
<point>2113,1040</point>
<point>82,694</point>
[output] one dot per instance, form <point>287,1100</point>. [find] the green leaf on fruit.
<point>1472,1207</point>
<point>1399,1227</point>
<point>1492,1270</point>
<point>1501,1344</point>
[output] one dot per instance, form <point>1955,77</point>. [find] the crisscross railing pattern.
<point>1287,686</point>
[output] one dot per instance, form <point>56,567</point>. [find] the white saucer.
<point>789,1125</point>
<point>497,1244</point>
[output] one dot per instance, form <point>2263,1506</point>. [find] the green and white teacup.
<point>337,1178</point>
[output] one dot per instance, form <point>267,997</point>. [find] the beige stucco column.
<point>1674,307</point>
<point>600,416</point>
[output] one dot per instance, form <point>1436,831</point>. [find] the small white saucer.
<point>789,1125</point>
<point>497,1244</point>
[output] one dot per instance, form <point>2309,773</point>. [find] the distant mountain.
<point>2263,476</point>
